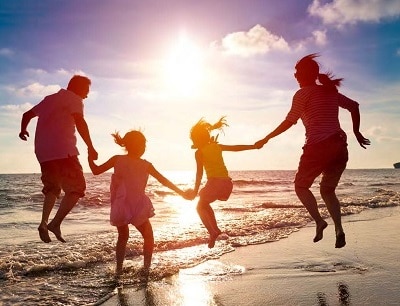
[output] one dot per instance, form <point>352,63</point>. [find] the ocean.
<point>263,208</point>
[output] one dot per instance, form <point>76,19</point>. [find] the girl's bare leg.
<point>148,246</point>
<point>207,216</point>
<point>123,235</point>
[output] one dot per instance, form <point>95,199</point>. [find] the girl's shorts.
<point>216,189</point>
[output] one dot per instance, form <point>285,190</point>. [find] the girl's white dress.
<point>129,203</point>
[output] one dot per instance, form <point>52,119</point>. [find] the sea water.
<point>262,208</point>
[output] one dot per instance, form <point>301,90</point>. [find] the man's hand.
<point>24,135</point>
<point>92,154</point>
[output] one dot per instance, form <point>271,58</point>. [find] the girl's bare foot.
<point>213,238</point>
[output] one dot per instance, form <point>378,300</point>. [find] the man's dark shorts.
<point>65,174</point>
<point>328,157</point>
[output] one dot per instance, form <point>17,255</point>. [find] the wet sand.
<point>292,271</point>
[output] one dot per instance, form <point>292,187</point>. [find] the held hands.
<point>92,154</point>
<point>259,144</point>
<point>362,140</point>
<point>189,194</point>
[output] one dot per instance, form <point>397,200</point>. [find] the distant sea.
<point>263,208</point>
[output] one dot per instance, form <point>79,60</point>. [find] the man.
<point>55,148</point>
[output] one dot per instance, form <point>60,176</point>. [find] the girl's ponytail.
<point>219,125</point>
<point>118,139</point>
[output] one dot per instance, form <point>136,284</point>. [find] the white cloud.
<point>13,108</point>
<point>320,37</point>
<point>257,40</point>
<point>6,52</point>
<point>341,12</point>
<point>35,90</point>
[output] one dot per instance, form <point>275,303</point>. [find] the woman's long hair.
<point>310,67</point>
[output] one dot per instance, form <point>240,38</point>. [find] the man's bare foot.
<point>340,240</point>
<point>44,234</point>
<point>213,238</point>
<point>56,231</point>
<point>320,230</point>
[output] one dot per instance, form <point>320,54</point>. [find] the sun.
<point>184,67</point>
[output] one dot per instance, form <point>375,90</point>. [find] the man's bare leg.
<point>48,204</point>
<point>66,205</point>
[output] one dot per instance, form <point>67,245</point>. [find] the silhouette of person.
<point>55,148</point>
<point>129,203</point>
<point>219,185</point>
<point>325,150</point>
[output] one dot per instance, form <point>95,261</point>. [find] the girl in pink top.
<point>129,203</point>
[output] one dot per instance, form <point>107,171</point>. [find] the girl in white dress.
<point>129,203</point>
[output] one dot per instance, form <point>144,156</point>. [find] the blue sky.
<point>159,66</point>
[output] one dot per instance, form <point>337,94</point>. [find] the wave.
<point>241,183</point>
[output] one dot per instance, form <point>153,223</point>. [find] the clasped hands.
<point>189,194</point>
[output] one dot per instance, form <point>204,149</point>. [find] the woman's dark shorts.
<point>328,157</point>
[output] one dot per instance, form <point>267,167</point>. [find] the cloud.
<point>35,90</point>
<point>341,12</point>
<point>6,52</point>
<point>320,37</point>
<point>13,108</point>
<point>257,40</point>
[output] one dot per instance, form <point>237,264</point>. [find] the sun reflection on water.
<point>184,210</point>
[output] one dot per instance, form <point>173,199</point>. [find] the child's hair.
<point>309,66</point>
<point>200,132</point>
<point>133,141</point>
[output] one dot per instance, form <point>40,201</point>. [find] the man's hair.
<point>78,82</point>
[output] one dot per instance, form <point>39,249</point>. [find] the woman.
<point>325,150</point>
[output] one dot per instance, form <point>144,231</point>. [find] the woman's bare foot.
<point>320,230</point>
<point>340,240</point>
<point>56,231</point>
<point>213,238</point>
<point>44,234</point>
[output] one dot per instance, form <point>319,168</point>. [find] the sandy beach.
<point>292,271</point>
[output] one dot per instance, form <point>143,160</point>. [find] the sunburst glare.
<point>184,67</point>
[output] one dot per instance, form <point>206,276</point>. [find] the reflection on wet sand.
<point>343,295</point>
<point>174,290</point>
<point>188,287</point>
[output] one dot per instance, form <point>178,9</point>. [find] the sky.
<point>160,66</point>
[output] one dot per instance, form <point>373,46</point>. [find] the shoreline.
<point>291,271</point>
